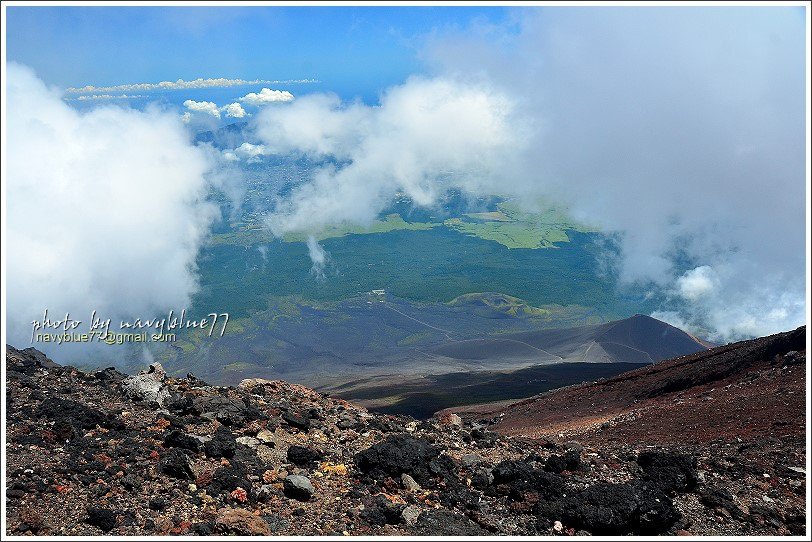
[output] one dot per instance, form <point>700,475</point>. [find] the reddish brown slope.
<point>751,389</point>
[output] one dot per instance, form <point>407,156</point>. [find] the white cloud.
<point>250,152</point>
<point>697,282</point>
<point>107,209</point>
<point>180,84</point>
<point>234,110</point>
<point>208,108</point>
<point>318,256</point>
<point>680,130</point>
<point>107,97</point>
<point>427,135</point>
<point>267,96</point>
<point>247,151</point>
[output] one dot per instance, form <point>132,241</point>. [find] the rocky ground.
<point>104,453</point>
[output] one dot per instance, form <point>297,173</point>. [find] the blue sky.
<point>354,51</point>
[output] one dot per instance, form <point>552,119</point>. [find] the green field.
<point>538,270</point>
<point>508,225</point>
<point>514,228</point>
<point>420,265</point>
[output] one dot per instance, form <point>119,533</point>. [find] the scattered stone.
<point>175,464</point>
<point>227,478</point>
<point>158,503</point>
<point>381,511</point>
<point>574,446</point>
<point>334,468</point>
<point>449,419</point>
<point>446,523</point>
<point>669,472</point>
<point>469,460</point>
<point>222,444</point>
<point>522,478</point>
<point>266,436</point>
<point>607,509</point>
<point>102,518</point>
<point>251,442</point>
<point>147,385</point>
<point>297,421</point>
<point>74,441</point>
<point>410,515</point>
<point>298,487</point>
<point>265,492</point>
<point>178,439</point>
<point>408,483</point>
<point>76,414</point>
<point>400,454</point>
<point>229,412</point>
<point>303,456</point>
<point>567,462</point>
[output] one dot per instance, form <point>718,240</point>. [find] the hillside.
<point>514,365</point>
<point>638,339</point>
<point>741,390</point>
<point>106,453</point>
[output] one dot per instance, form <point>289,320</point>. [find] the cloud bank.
<point>425,136</point>
<point>87,97</point>
<point>680,129</point>
<point>106,209</point>
<point>180,84</point>
<point>233,110</point>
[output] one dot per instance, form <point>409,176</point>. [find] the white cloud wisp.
<point>107,209</point>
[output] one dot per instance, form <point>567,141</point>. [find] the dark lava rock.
<point>382,424</point>
<point>445,523</point>
<point>346,422</point>
<point>298,487</point>
<point>719,498</point>
<point>613,509</point>
<point>102,518</point>
<point>481,479</point>
<point>39,358</point>
<point>228,478</point>
<point>179,439</point>
<point>110,374</point>
<point>303,456</point>
<point>180,404</point>
<point>28,360</point>
<point>231,412</point>
<point>295,420</point>
<point>520,477</point>
<point>77,414</point>
<point>793,357</point>
<point>457,494</point>
<point>205,528</point>
<point>669,472</point>
<point>380,511</point>
<point>176,465</point>
<point>400,454</point>
<point>570,461</point>
<point>483,437</point>
<point>222,444</point>
<point>158,503</point>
